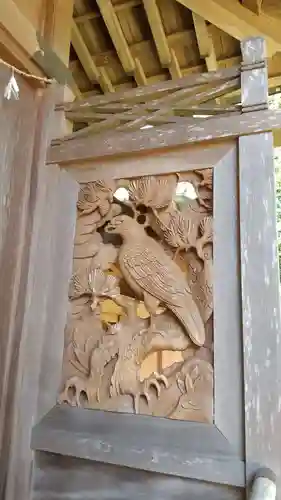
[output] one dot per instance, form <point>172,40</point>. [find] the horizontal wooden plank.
<point>190,450</point>
<point>109,144</point>
<point>154,91</point>
<point>57,478</point>
<point>156,109</point>
<point>116,109</point>
<point>180,161</point>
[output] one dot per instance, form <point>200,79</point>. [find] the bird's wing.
<point>153,276</point>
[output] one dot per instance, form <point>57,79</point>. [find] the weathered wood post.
<point>259,272</point>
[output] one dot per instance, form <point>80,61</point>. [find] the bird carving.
<point>154,277</point>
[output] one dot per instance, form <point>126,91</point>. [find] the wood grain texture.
<point>86,149</point>
<point>17,132</point>
<point>150,112</point>
<point>176,448</point>
<point>260,301</point>
<point>254,86</point>
<point>35,265</point>
<point>180,160</point>
<point>228,359</point>
<point>154,91</point>
<point>60,478</point>
<point>259,278</point>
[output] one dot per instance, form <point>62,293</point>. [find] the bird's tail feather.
<point>190,318</point>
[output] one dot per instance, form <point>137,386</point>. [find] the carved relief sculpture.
<point>142,283</point>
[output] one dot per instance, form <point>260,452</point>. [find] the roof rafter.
<point>253,5</point>
<point>118,8</point>
<point>205,42</point>
<point>92,71</point>
<point>130,65</point>
<point>238,21</point>
<point>167,56</point>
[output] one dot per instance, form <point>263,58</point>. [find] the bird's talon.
<point>164,380</point>
<point>157,387</point>
<point>159,377</point>
<point>147,396</point>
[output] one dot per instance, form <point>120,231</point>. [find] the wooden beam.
<point>157,90</point>
<point>253,5</point>
<point>238,21</point>
<point>167,59</point>
<point>86,29</point>
<point>117,35</point>
<point>164,77</point>
<point>58,14</point>
<point>21,30</point>
<point>205,42</point>
<point>117,8</point>
<point>92,71</point>
<point>122,48</point>
<point>157,29</point>
<point>174,68</point>
<point>17,56</point>
<point>19,39</point>
<point>167,136</point>
<point>139,73</point>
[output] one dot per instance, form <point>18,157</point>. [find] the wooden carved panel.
<point>142,284</point>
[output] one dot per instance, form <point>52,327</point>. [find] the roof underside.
<point>121,44</point>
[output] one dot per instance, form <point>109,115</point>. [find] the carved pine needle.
<point>153,192</point>
<point>176,231</point>
<point>206,231</point>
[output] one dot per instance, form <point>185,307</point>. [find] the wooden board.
<point>87,149</point>
<point>261,301</point>
<point>228,359</point>
<point>37,214</point>
<point>56,477</point>
<point>197,451</point>
<point>17,135</point>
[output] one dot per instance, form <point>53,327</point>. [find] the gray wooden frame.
<point>77,432</point>
<point>246,294</point>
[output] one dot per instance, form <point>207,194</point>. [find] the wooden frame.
<point>247,417</point>
<point>51,434</point>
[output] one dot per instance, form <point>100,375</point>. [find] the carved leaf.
<point>86,224</point>
<point>142,312</point>
<point>206,228</point>
<point>106,256</point>
<point>153,192</point>
<point>94,194</point>
<point>79,286</point>
<point>102,284</point>
<point>108,306</point>
<point>207,177</point>
<point>176,229</point>
<point>88,249</point>
<point>82,357</point>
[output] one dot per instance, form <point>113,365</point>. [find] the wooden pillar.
<point>38,214</point>
<point>259,274</point>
